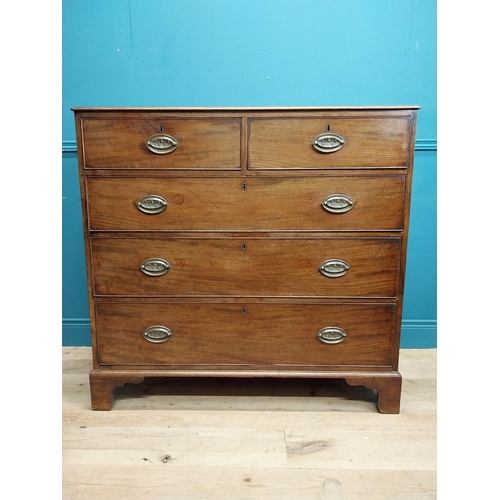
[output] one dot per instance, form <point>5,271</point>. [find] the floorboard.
<point>249,439</point>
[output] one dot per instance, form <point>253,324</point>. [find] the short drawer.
<point>162,143</point>
<point>253,335</point>
<point>328,143</point>
<point>339,267</point>
<point>343,203</point>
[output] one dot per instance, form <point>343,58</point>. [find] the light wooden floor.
<point>249,439</point>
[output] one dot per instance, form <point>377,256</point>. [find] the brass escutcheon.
<point>337,203</point>
<point>162,144</point>
<point>332,335</point>
<point>152,204</point>
<point>334,268</point>
<point>155,267</point>
<point>328,142</point>
<point>157,334</point>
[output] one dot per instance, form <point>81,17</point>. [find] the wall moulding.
<point>420,145</point>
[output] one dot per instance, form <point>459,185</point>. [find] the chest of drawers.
<point>246,242</point>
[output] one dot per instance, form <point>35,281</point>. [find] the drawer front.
<point>367,203</point>
<point>342,143</point>
<point>245,336</point>
<point>247,267</point>
<point>162,143</point>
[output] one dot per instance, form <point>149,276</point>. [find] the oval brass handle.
<point>337,203</point>
<point>328,142</point>
<point>157,334</point>
<point>332,335</point>
<point>334,268</point>
<point>162,144</point>
<point>155,267</point>
<point>152,204</point>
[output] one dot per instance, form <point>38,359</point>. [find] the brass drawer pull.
<point>328,142</point>
<point>162,144</point>
<point>155,267</point>
<point>152,204</point>
<point>332,335</point>
<point>337,203</point>
<point>334,268</point>
<point>157,334</point>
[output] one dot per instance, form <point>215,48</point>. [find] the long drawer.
<point>328,143</point>
<point>338,267</point>
<point>162,143</point>
<point>254,335</point>
<point>340,203</point>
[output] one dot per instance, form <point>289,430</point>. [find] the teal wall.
<point>254,53</point>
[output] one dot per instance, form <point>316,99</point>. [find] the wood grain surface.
<point>246,336</point>
<point>248,438</point>
<point>247,266</point>
<point>369,142</point>
<point>266,204</point>
<point>202,143</point>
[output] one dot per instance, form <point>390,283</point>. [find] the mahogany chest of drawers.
<point>246,242</point>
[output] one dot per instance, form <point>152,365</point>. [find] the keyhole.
<point>244,186</point>
<point>160,128</point>
<point>328,128</point>
<point>244,246</point>
<point>244,310</point>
